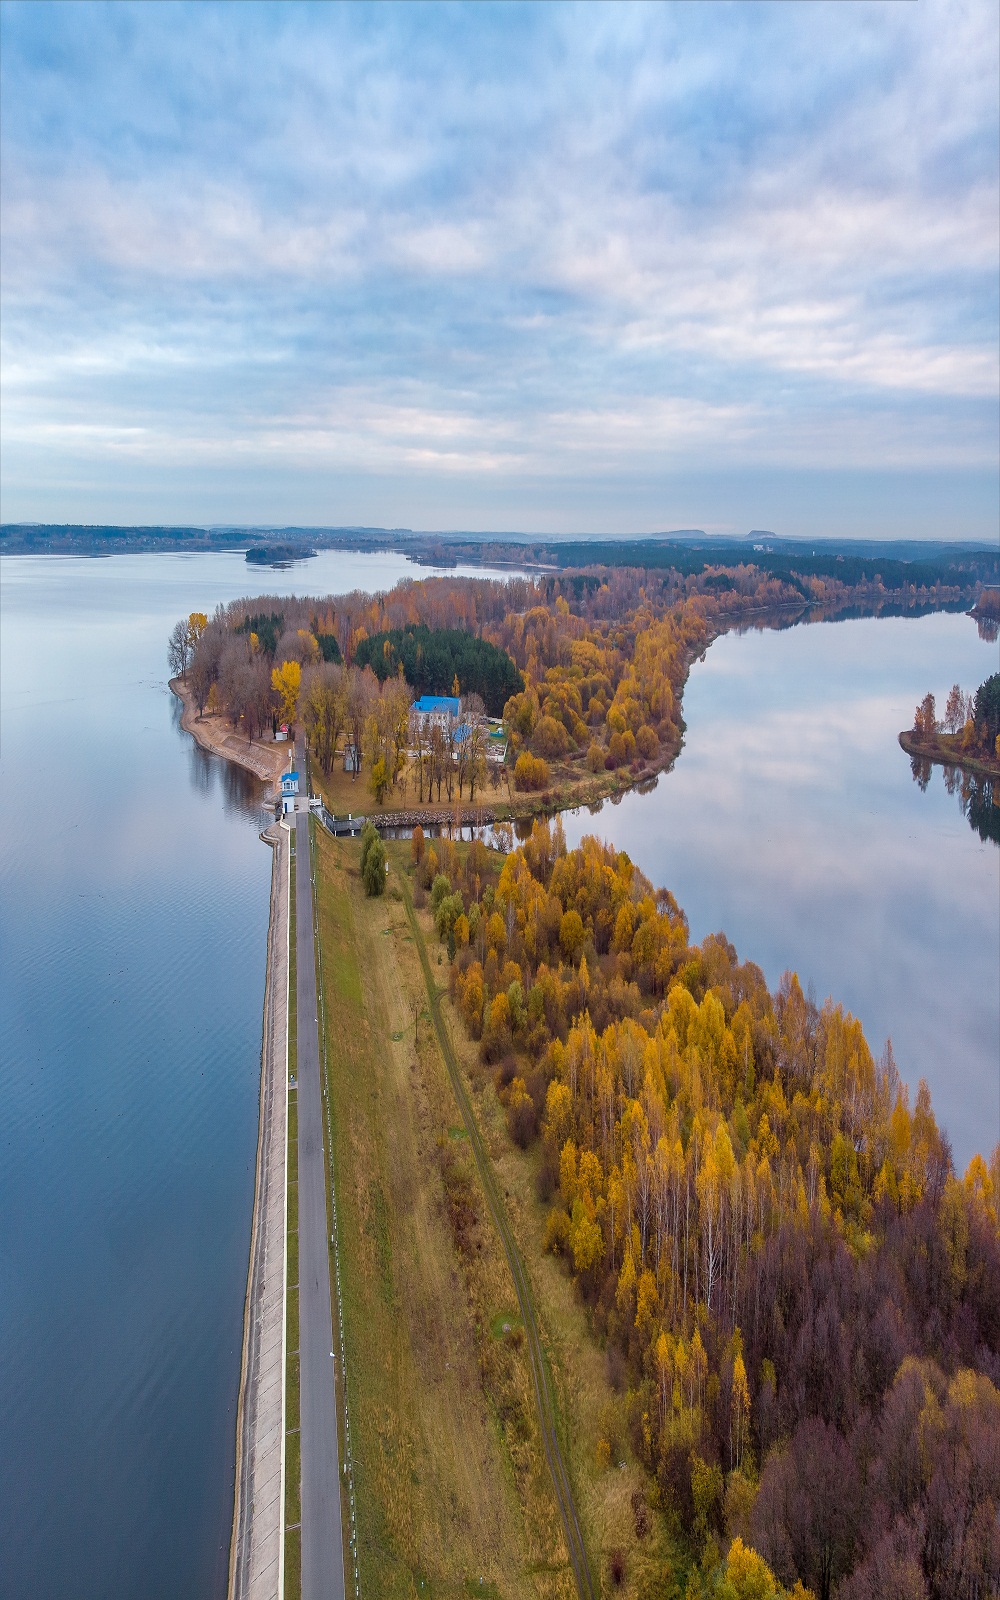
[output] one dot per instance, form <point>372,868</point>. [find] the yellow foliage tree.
<point>286,681</point>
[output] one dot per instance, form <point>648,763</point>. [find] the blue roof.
<point>290,777</point>
<point>438,702</point>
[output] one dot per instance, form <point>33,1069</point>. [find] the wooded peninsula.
<point>770,1306</point>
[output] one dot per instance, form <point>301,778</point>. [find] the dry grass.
<point>654,1564</point>
<point>451,1485</point>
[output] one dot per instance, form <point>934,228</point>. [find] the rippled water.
<point>133,925</point>
<point>792,822</point>
<point>133,910</point>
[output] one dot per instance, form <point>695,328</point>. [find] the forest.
<point>587,668</point>
<point>797,1296</point>
<point>433,661</point>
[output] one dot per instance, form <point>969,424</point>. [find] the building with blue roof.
<point>437,710</point>
<point>289,789</point>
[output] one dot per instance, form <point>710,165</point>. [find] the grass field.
<point>570,785</point>
<point>454,1496</point>
<point>453,1493</point>
<point>624,1527</point>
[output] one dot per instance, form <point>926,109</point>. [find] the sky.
<point>551,269</point>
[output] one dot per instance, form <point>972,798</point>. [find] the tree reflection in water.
<point>989,629</point>
<point>975,796</point>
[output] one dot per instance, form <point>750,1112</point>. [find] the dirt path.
<point>539,1366</point>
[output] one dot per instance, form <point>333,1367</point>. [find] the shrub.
<point>521,1118</point>
<point>373,871</point>
<point>446,914</point>
<point>369,836</point>
<point>530,772</point>
<point>595,757</point>
<point>557,1232</point>
<point>550,738</point>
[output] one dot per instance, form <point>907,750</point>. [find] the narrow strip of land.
<point>322,1537</point>
<point>256,1548</point>
<point>539,1366</point>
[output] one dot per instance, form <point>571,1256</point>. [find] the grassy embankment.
<point>452,1481</point>
<point>946,750</point>
<point>293,1497</point>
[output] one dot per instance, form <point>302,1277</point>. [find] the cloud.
<point>517,243</point>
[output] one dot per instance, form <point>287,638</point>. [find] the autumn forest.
<point>796,1296</point>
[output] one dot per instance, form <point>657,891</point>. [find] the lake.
<point>133,912</point>
<point>133,928</point>
<point>791,822</point>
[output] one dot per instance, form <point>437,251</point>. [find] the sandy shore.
<point>264,758</point>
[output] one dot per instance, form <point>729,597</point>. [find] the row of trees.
<point>975,717</point>
<point>766,1230</point>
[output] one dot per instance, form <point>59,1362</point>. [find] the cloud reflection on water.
<point>790,821</point>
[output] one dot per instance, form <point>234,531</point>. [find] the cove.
<point>791,821</point>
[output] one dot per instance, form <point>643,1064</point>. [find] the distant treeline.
<point>433,659</point>
<point>886,566</point>
<point>957,570</point>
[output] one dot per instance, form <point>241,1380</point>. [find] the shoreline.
<point>266,760</point>
<point>257,1538</point>
<point>944,756</point>
<point>256,1552</point>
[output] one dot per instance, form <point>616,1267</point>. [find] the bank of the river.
<point>265,759</point>
<point>942,750</point>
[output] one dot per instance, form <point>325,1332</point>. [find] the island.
<point>277,555</point>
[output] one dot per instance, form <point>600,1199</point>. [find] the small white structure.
<point>289,790</point>
<point>352,760</point>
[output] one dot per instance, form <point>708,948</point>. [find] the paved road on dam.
<point>322,1535</point>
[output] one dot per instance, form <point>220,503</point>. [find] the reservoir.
<point>133,911</point>
<point>792,822</point>
<point>133,930</point>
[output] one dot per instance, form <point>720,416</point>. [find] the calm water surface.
<point>792,822</point>
<point>133,911</point>
<point>133,923</point>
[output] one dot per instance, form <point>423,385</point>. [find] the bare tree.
<point>179,649</point>
<point>205,663</point>
<point>361,694</point>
